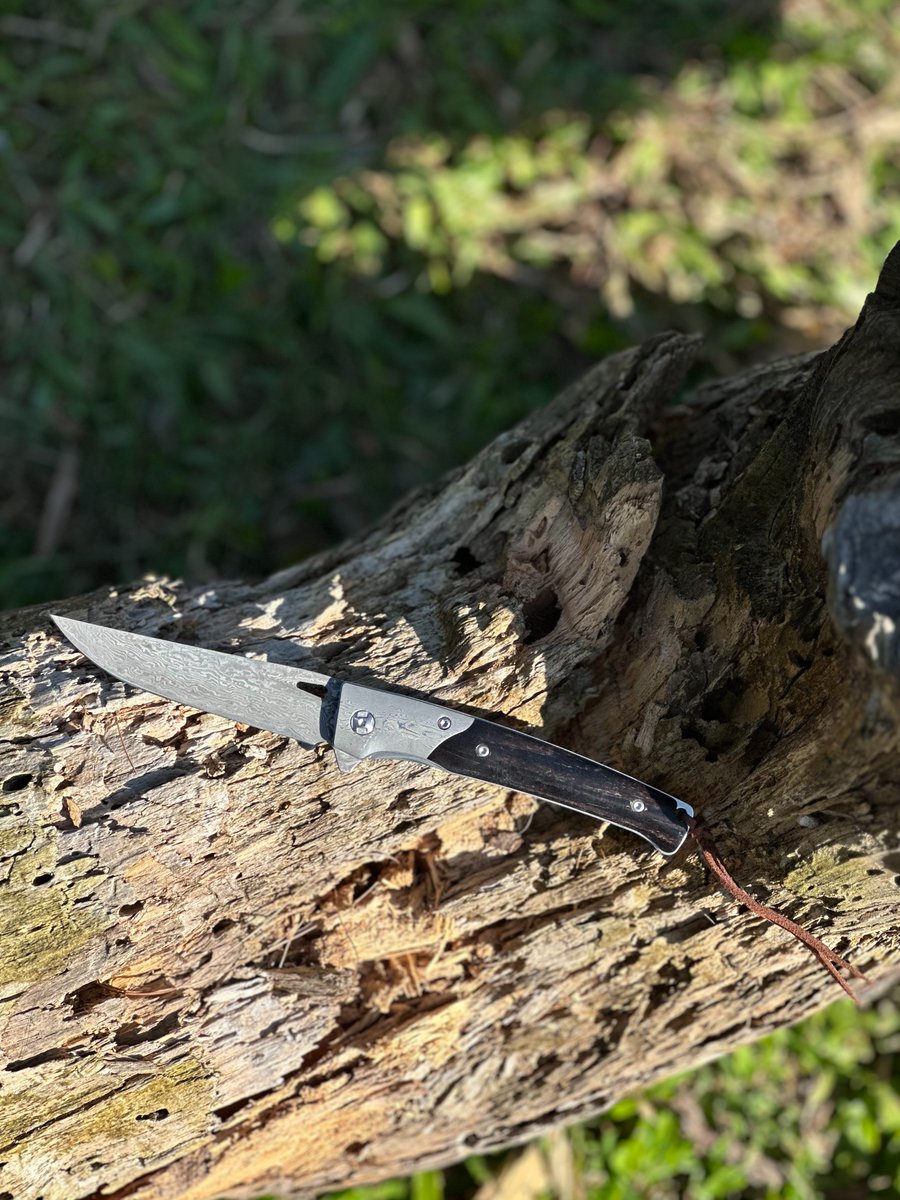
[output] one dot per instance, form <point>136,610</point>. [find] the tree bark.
<point>226,968</point>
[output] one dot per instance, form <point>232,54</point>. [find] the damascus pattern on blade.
<point>258,693</point>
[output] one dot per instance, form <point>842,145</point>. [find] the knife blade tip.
<point>70,628</point>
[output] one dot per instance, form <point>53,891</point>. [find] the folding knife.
<point>364,722</point>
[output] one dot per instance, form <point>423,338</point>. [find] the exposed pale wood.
<point>226,968</point>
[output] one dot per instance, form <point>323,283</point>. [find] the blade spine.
<point>313,677</point>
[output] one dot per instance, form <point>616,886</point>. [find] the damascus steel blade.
<point>258,693</point>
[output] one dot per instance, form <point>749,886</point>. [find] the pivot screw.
<point>638,806</point>
<point>482,750</point>
<point>362,722</point>
<point>443,722</point>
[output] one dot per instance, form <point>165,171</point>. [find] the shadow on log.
<point>226,968</point>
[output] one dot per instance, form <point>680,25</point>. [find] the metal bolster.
<point>372,723</point>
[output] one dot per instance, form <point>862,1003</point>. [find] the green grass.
<point>266,266</point>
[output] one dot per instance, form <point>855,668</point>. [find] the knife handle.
<point>523,763</point>
<point>371,723</point>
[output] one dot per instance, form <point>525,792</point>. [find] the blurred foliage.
<point>267,265</point>
<point>810,1113</point>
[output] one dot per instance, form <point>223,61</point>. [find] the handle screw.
<point>443,722</point>
<point>482,750</point>
<point>362,722</point>
<point>638,806</point>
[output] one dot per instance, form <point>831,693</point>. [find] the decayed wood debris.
<point>226,968</point>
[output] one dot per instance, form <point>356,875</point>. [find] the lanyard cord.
<point>827,957</point>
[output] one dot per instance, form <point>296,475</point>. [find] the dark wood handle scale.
<point>523,763</point>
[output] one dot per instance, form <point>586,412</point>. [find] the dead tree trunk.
<point>226,968</point>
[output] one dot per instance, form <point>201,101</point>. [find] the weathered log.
<point>227,968</point>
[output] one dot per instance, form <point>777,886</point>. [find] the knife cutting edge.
<point>361,722</point>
